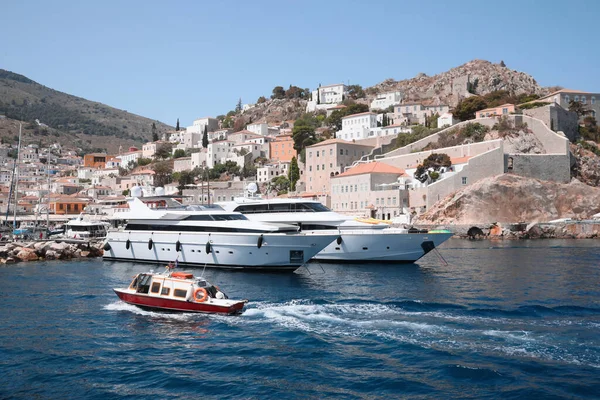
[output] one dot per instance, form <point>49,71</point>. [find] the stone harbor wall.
<point>48,250</point>
<point>560,230</point>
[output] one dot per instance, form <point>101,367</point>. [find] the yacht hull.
<point>385,246</point>
<point>249,251</point>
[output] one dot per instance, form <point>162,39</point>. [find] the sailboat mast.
<point>17,180</point>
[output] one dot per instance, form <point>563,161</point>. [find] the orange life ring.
<point>204,295</point>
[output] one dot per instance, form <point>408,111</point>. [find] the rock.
<point>27,254</point>
<point>59,247</point>
<point>8,260</point>
<point>84,253</point>
<point>51,255</point>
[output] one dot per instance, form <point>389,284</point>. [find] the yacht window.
<point>229,217</point>
<point>199,218</point>
<point>165,291</point>
<point>180,293</point>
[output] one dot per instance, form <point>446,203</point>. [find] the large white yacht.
<point>209,236</point>
<point>358,240</point>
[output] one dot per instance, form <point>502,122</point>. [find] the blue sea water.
<point>500,320</point>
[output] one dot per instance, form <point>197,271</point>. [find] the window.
<point>576,98</point>
<point>317,167</point>
<point>310,168</point>
<point>377,201</point>
<point>155,287</point>
<point>179,293</point>
<point>165,291</point>
<point>464,180</point>
<point>583,100</point>
<point>593,101</point>
<point>309,154</point>
<point>505,111</point>
<point>567,99</point>
<point>317,154</point>
<point>323,167</point>
<point>356,188</point>
<point>330,165</point>
<point>346,151</point>
<point>330,152</point>
<point>341,152</point>
<point>323,153</point>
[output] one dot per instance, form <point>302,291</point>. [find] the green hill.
<point>86,124</point>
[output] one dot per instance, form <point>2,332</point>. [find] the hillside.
<point>91,125</point>
<point>511,198</point>
<point>477,76</point>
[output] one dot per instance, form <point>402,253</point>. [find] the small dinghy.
<point>178,291</point>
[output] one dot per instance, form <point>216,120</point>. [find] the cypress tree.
<point>154,134</point>
<point>205,137</point>
<point>177,126</point>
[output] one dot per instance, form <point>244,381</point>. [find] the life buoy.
<point>208,247</point>
<point>260,241</point>
<point>128,244</point>
<point>204,295</point>
<point>150,243</point>
<point>339,240</point>
<point>178,246</point>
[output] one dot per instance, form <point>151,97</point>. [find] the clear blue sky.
<point>189,59</point>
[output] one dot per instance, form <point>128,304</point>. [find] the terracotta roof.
<point>337,107</point>
<point>459,160</point>
<point>372,168</point>
<point>495,108</point>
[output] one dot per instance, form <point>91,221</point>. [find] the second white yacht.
<point>358,240</point>
<point>209,236</point>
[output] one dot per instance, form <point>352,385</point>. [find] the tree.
<point>278,92</point>
<point>356,92</point>
<point>578,107</point>
<point>293,173</point>
<point>205,137</point>
<point>239,124</point>
<point>163,151</point>
<point>185,178</point>
<point>162,173</point>
<point>261,100</point>
<point>281,184</point>
<point>467,108</point>
<point>294,92</point>
<point>227,122</point>
<point>238,106</point>
<point>335,119</point>
<point>430,167</point>
<point>502,64</point>
<point>179,153</point>
<point>154,133</point>
<point>177,126</point>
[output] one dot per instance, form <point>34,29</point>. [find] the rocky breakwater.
<point>48,250</point>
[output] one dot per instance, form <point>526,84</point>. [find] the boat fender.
<point>207,248</point>
<point>128,244</point>
<point>106,246</point>
<point>260,241</point>
<point>339,240</point>
<point>204,295</point>
<point>178,246</point>
<point>150,243</point>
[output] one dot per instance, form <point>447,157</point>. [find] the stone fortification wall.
<point>413,159</point>
<point>490,163</point>
<point>547,167</point>
<point>557,119</point>
<point>554,143</point>
<point>418,145</point>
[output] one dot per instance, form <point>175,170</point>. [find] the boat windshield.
<point>281,208</point>
<point>204,207</point>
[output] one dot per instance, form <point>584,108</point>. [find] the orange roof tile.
<point>356,115</point>
<point>331,141</point>
<point>372,168</point>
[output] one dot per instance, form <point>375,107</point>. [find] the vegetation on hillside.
<point>466,108</point>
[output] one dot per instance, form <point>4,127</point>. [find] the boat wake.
<point>455,329</point>
<point>122,306</point>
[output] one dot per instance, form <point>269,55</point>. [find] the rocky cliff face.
<point>451,86</point>
<point>587,165</point>
<point>510,198</point>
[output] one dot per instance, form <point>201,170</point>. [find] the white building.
<point>220,134</point>
<point>358,126</point>
<point>260,128</point>
<point>198,125</point>
<point>85,172</point>
<point>325,96</point>
<point>199,158</point>
<point>130,157</point>
<point>384,100</point>
<point>182,164</point>
<point>270,171</point>
<point>446,119</point>
<point>218,152</point>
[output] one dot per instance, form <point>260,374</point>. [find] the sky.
<point>191,59</point>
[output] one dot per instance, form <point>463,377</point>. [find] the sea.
<point>478,319</point>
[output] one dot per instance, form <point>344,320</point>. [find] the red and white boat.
<point>178,291</point>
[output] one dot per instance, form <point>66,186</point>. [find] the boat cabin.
<point>175,286</point>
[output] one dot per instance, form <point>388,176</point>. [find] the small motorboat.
<point>178,291</point>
